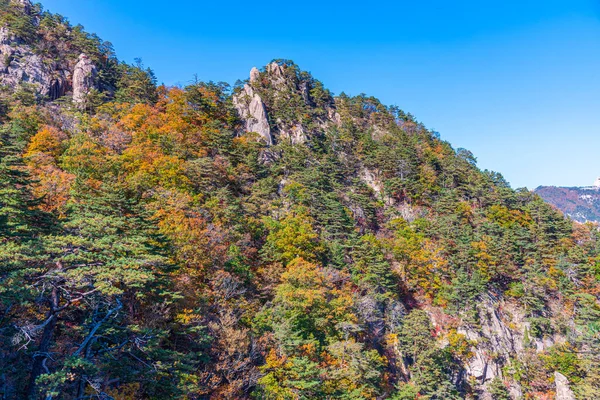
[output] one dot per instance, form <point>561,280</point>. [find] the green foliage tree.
<point>498,390</point>
<point>135,84</point>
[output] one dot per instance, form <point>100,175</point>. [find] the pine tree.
<point>498,390</point>
<point>371,271</point>
<point>22,227</point>
<point>107,252</point>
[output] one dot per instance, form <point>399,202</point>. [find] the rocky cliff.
<point>84,79</point>
<point>42,53</point>
<point>252,110</point>
<point>23,60</point>
<point>282,104</point>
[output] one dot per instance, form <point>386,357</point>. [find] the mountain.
<point>269,240</point>
<point>582,204</point>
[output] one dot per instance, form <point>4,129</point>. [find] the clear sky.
<point>515,82</point>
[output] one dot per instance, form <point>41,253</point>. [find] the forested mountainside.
<point>266,241</point>
<point>582,204</point>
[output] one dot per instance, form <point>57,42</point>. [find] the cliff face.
<point>282,104</point>
<point>252,110</point>
<point>35,54</point>
<point>19,64</point>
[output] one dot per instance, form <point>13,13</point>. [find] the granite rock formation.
<point>84,78</point>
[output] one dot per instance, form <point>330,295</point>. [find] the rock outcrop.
<point>254,75</point>
<point>563,391</point>
<point>276,74</point>
<point>27,62</point>
<point>19,64</point>
<point>252,110</point>
<point>496,343</point>
<point>84,78</point>
<point>263,101</point>
<point>295,134</point>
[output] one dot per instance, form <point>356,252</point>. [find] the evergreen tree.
<point>107,252</point>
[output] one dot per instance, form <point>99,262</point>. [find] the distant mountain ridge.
<point>581,204</point>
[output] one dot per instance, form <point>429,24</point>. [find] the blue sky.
<point>515,82</point>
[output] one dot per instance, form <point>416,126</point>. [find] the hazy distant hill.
<point>580,203</point>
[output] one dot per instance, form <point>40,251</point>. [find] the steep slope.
<point>582,204</point>
<point>274,241</point>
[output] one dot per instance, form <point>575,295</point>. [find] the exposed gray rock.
<point>254,75</point>
<point>563,391</point>
<point>84,78</point>
<point>19,64</point>
<point>252,110</point>
<point>306,93</point>
<point>544,343</point>
<point>276,74</point>
<point>333,116</point>
<point>515,391</point>
<point>281,86</point>
<point>372,180</point>
<point>275,69</point>
<point>496,344</point>
<point>295,134</point>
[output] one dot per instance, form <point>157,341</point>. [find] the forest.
<point>152,248</point>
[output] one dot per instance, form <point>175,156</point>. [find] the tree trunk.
<point>42,353</point>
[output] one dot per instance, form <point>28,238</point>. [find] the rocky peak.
<point>84,78</point>
<point>254,75</point>
<point>276,74</point>
<point>275,101</point>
